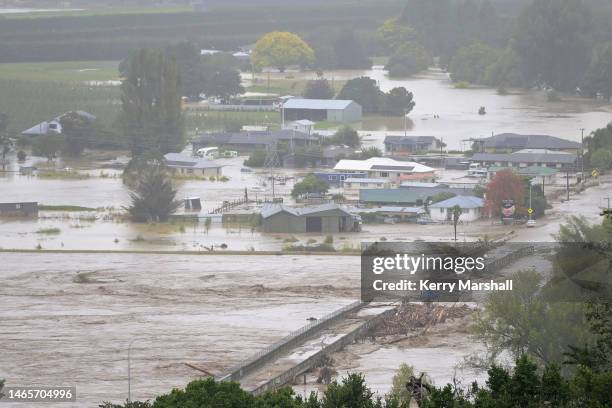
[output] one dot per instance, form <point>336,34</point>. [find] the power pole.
<point>582,154</point>
<point>272,162</point>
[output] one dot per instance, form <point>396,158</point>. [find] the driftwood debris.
<point>411,317</point>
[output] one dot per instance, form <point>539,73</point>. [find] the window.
<point>384,174</point>
<point>189,171</point>
<point>342,178</point>
<point>333,178</point>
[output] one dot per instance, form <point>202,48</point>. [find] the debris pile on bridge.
<point>410,317</point>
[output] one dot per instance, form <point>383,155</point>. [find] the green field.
<point>64,72</point>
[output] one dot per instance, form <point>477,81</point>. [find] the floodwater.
<point>522,111</point>
<point>69,319</point>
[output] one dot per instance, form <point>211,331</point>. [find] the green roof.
<point>390,196</point>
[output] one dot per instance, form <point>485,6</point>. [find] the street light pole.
<point>582,153</point>
<point>130,370</point>
<point>530,207</point>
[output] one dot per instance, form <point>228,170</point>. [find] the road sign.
<point>595,173</point>
<point>530,211</point>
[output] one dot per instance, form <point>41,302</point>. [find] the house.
<point>323,219</point>
<point>303,125</point>
<point>329,110</point>
<point>404,145</point>
<point>328,157</point>
<point>471,208</point>
<point>384,167</point>
<point>24,209</point>
<point>54,125</point>
<point>430,190</point>
<point>561,161</point>
<point>353,185</point>
<point>336,179</point>
<point>187,165</point>
<point>537,174</point>
<point>397,214</point>
<point>512,142</point>
<point>251,140</point>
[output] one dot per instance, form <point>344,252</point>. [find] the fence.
<point>286,343</point>
<point>243,108</point>
<point>312,361</point>
<point>507,259</point>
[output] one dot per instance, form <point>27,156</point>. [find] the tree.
<point>188,60</point>
<point>395,34</point>
<point>352,392</point>
<point>408,59</point>
<point>365,92</point>
<point>601,138</point>
<point>456,212</point>
<point>400,379</point>
<point>599,75</point>
<point>398,102</point>
<point>505,185</point>
<point>281,49</point>
<point>602,159</point>
<point>471,63</point>
<point>346,135</point>
<point>151,117</point>
<point>318,89</point>
<point>221,76</point>
<point>6,143</point>
<point>153,197</point>
<point>47,146</point>
<point>552,40</point>
<point>309,184</point>
<point>338,49</point>
<point>78,131</point>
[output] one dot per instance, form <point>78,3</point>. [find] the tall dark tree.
<point>365,92</point>
<point>151,117</point>
<point>6,143</point>
<point>188,60</point>
<point>552,39</point>
<point>153,196</point>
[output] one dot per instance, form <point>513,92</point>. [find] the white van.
<point>209,153</point>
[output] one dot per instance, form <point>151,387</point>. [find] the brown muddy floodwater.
<point>68,319</point>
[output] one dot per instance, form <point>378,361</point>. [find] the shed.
<point>24,209</point>
<point>330,110</point>
<point>323,219</point>
<point>187,165</point>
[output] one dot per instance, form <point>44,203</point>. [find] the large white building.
<point>471,208</point>
<point>383,167</point>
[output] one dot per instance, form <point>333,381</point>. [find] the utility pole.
<point>567,183</point>
<point>271,163</point>
<point>530,207</point>
<point>582,154</point>
<point>405,123</point>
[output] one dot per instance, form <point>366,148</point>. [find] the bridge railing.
<point>271,352</point>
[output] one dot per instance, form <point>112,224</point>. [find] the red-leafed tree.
<point>505,185</point>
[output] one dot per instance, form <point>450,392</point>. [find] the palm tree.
<point>456,211</point>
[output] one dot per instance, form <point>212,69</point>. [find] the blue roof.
<point>296,103</point>
<point>461,201</point>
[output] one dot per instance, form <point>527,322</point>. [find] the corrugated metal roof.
<point>389,195</point>
<point>461,201</point>
<point>382,163</point>
<point>560,158</point>
<point>180,160</point>
<point>297,103</point>
<point>269,210</point>
<point>517,141</point>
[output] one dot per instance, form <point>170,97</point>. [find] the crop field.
<point>65,71</point>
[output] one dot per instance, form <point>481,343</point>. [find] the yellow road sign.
<point>595,173</point>
<point>530,211</point>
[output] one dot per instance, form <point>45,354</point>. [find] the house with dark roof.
<point>561,161</point>
<point>512,142</point>
<point>187,165</point>
<point>253,139</point>
<point>322,219</point>
<point>329,110</point>
<point>407,145</point>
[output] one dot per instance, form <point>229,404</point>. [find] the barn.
<point>323,219</point>
<point>318,110</point>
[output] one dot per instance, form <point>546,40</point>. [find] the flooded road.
<point>68,319</point>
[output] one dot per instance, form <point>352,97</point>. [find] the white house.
<point>471,208</point>
<point>383,167</point>
<point>353,185</point>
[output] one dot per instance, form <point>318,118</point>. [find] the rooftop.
<point>527,171</point>
<point>181,160</point>
<point>382,163</point>
<point>461,201</point>
<point>366,180</point>
<point>517,141</point>
<point>269,210</point>
<point>561,158</point>
<point>409,140</point>
<point>297,103</point>
<point>253,137</point>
